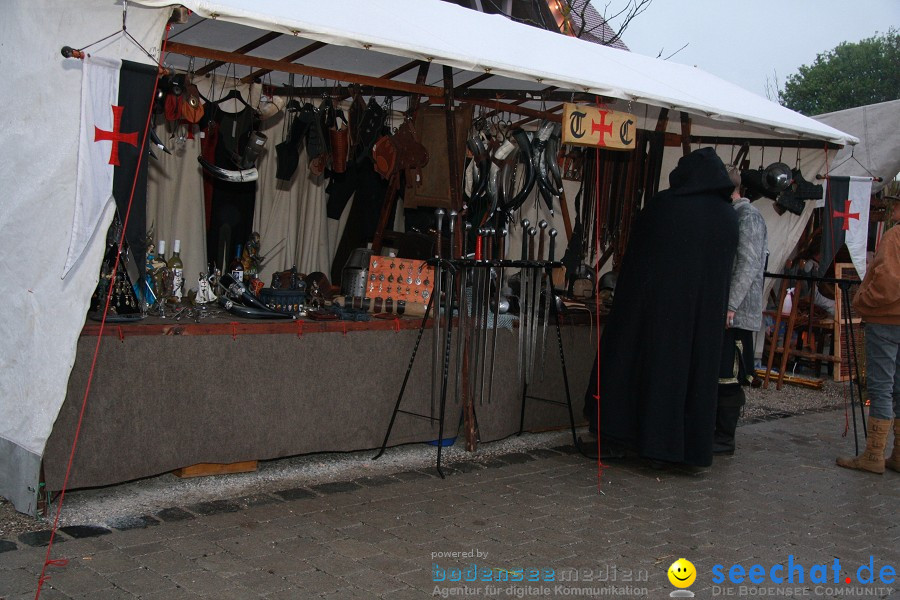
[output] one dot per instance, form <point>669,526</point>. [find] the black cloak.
<point>661,346</point>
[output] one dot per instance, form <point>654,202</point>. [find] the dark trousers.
<point>735,371</point>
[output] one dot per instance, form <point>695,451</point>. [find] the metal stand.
<point>565,374</point>
<point>451,276</point>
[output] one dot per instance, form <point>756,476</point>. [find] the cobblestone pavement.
<point>779,500</point>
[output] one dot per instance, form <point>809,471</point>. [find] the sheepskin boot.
<point>893,463</point>
<point>872,458</point>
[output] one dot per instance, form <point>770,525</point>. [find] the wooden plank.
<point>242,50</point>
<point>205,469</point>
<point>509,107</point>
<point>795,380</point>
<point>308,49</point>
<point>674,139</point>
<point>298,69</point>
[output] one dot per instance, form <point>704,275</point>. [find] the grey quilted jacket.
<point>745,296</point>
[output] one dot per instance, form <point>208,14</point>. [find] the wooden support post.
<point>456,204</point>
<point>685,133</point>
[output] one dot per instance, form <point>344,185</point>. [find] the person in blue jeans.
<point>878,303</point>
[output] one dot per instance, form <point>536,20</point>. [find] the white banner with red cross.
<point>846,219</point>
<point>98,151</point>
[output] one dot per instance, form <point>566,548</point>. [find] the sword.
<point>484,302</point>
<point>548,293</point>
<point>499,285</point>
<point>463,318</point>
<point>436,315</point>
<point>539,272</point>
<point>532,308</point>
<point>478,307</point>
<point>523,287</point>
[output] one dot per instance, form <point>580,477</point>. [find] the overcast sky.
<point>744,41</point>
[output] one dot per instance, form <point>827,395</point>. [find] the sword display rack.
<point>476,323</point>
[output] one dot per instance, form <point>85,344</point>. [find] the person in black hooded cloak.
<point>661,345</point>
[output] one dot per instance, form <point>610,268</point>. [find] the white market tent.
<point>878,152</point>
<point>43,313</point>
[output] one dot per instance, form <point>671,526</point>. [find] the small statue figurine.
<point>204,291</point>
<point>250,258</point>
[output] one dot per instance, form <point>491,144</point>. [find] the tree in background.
<point>850,75</point>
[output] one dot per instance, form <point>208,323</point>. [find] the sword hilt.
<point>465,244</point>
<point>453,214</point>
<point>543,224</point>
<point>525,224</point>
<point>553,234</point>
<point>532,232</point>
<point>439,216</point>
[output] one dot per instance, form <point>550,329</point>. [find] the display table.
<point>169,394</point>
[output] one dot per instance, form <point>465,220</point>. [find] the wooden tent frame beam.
<point>268,65</point>
<point>265,39</point>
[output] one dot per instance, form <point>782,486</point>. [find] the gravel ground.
<point>103,506</point>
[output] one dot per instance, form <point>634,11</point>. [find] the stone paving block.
<point>350,592</point>
<point>224,564</point>
<point>213,507</point>
<point>141,581</point>
<point>74,579</point>
<point>243,547</point>
<point>374,582</point>
<point>84,531</point>
<point>281,563</point>
<point>137,547</point>
<point>110,561</point>
<point>171,594</point>
<point>47,593</point>
<point>37,539</point>
<point>253,500</point>
<point>295,493</point>
<point>26,557</point>
<point>354,549</point>
<point>316,581</point>
<point>207,583</point>
<point>132,522</point>
<point>415,475</point>
<point>390,565</point>
<point>163,561</point>
<point>376,481</point>
<point>174,514</point>
<point>262,581</point>
<point>108,594</point>
<point>335,487</point>
<point>406,593</point>
<point>17,581</point>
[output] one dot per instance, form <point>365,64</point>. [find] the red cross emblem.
<point>846,215</point>
<point>115,135</point>
<point>603,127</point>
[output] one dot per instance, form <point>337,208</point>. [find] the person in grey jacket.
<point>744,316</point>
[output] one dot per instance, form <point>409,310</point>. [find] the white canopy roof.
<point>451,35</point>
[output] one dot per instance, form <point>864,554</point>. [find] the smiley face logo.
<point>682,573</point>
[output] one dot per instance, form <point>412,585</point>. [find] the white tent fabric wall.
<point>43,314</point>
<point>878,151</point>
